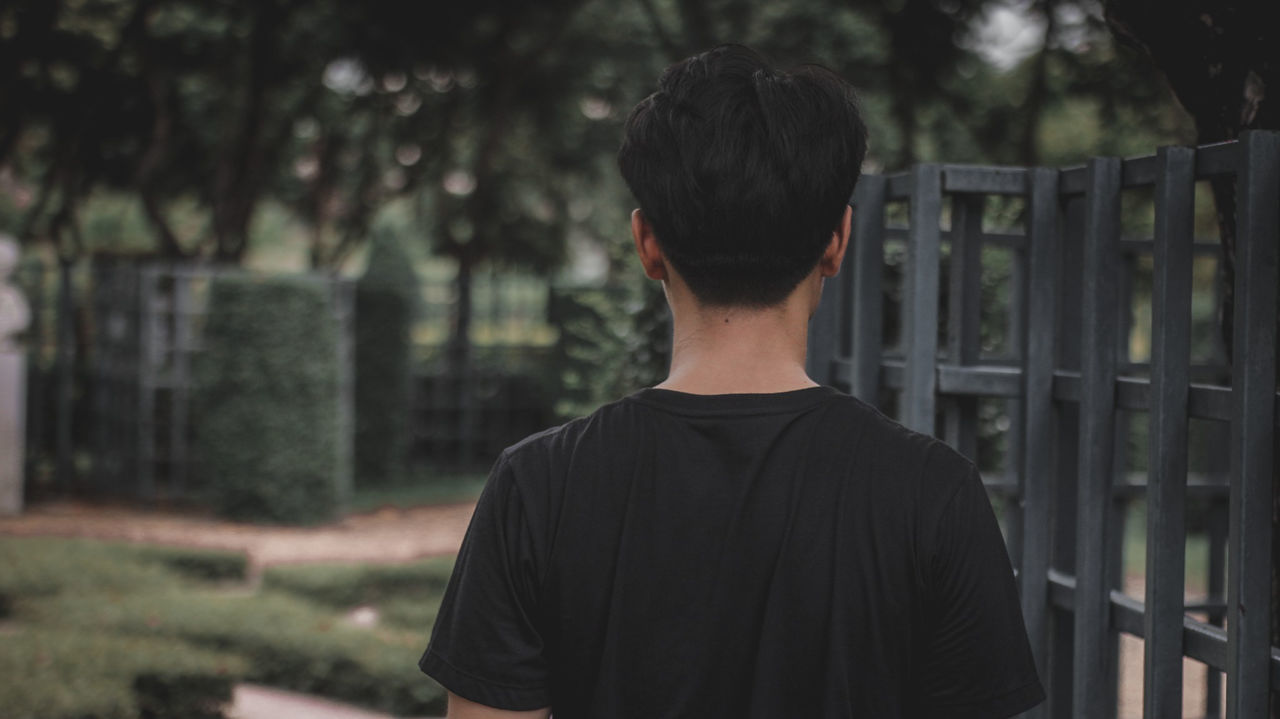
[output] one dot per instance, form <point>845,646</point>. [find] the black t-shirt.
<point>745,555</point>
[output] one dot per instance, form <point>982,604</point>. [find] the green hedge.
<point>208,565</point>
<point>268,434</point>
<point>74,673</point>
<point>386,302</point>
<point>343,586</point>
<point>286,641</point>
<point>110,630</point>
<point>57,667</point>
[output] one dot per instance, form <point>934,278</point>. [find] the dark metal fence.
<point>111,413</point>
<point>1028,348</point>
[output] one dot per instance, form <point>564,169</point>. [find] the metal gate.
<point>1061,374</point>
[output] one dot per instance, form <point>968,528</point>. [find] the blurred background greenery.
<point>478,139</point>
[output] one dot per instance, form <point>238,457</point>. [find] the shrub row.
<point>285,641</point>
<point>79,606</point>
<point>57,673</point>
<point>343,586</point>
<point>386,303</point>
<point>270,437</point>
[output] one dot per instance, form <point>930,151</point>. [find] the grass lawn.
<point>103,630</point>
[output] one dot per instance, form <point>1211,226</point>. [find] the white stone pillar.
<point>14,317</point>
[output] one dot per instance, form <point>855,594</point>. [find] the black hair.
<point>744,171</point>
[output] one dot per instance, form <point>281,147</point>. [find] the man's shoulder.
<point>918,464</point>
<point>556,441</point>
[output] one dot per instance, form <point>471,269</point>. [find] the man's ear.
<point>655,265</point>
<point>832,258</point>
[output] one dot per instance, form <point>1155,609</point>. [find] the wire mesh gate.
<point>1060,365</point>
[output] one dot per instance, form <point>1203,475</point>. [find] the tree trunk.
<point>239,175</point>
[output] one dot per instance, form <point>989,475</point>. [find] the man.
<point>737,541</point>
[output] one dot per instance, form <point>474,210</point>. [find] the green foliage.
<point>288,642</point>
<point>427,487</point>
<point>611,344</point>
<point>59,669</point>
<point>269,438</point>
<point>107,630</point>
<point>35,567</point>
<point>386,303</point>
<point>343,586</point>
<point>191,696</point>
<point>201,564</point>
<point>71,673</point>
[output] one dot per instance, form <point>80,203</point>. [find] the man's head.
<point>743,171</point>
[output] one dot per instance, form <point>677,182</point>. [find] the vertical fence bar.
<point>865,320</point>
<point>920,300</point>
<point>37,444</point>
<point>1092,662</point>
<point>147,368</point>
<point>1042,254</point>
<point>1167,437</point>
<point>1216,582</point>
<point>343,294</point>
<point>964,315</point>
<point>823,333</point>
<point>64,370</point>
<point>844,324</point>
<point>1253,392</point>
<point>1066,470</point>
<point>183,311</point>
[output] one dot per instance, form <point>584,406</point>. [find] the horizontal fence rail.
<point>1051,324</point>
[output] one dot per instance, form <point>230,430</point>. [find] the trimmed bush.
<point>42,566</point>
<point>181,696</point>
<point>111,630</point>
<point>386,302</point>
<point>83,672</point>
<point>267,397</point>
<point>288,642</point>
<point>343,586</point>
<point>209,565</point>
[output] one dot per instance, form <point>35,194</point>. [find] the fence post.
<point>1092,663</point>
<point>868,268</point>
<point>823,333</point>
<point>1253,393</point>
<point>964,316</point>
<point>1167,438</point>
<point>1041,340</point>
<point>920,300</point>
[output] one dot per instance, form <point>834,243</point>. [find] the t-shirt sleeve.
<point>976,661</point>
<point>486,646</point>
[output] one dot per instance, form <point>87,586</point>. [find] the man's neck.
<point>739,351</point>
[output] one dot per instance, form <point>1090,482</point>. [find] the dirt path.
<point>386,535</point>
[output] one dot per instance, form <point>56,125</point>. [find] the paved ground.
<point>258,702</point>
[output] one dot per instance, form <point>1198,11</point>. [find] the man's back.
<point>745,555</point>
